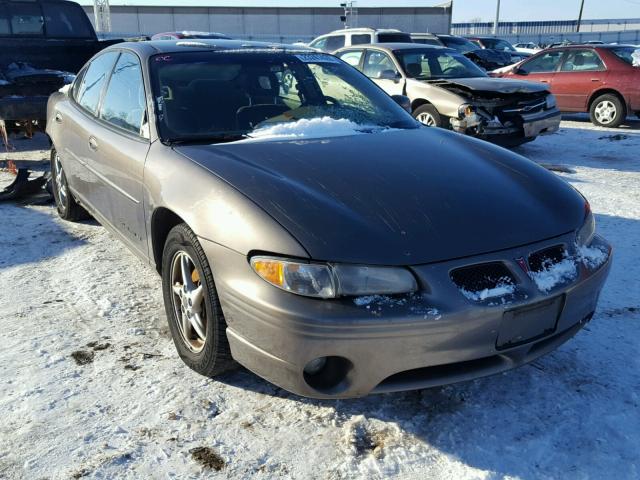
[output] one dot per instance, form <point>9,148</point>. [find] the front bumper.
<point>523,126</point>
<point>435,338</point>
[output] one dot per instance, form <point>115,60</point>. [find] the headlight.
<point>588,230</point>
<point>551,101</point>
<point>465,110</point>
<point>333,280</point>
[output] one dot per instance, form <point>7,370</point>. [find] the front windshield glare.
<point>433,64</point>
<point>230,93</point>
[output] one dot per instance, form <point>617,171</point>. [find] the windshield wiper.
<point>207,138</point>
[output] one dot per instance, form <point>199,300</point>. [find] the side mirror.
<point>403,101</point>
<point>389,75</point>
<point>520,71</point>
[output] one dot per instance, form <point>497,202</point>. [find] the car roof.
<point>364,29</point>
<point>153,47</point>
<point>390,47</point>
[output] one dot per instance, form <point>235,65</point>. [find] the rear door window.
<point>66,20</point>
<point>124,100</point>
<point>26,19</point>
<point>547,62</point>
<point>360,39</point>
<point>582,61</point>
<point>90,89</point>
<point>394,38</point>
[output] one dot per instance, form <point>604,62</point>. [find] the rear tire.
<point>428,115</point>
<point>68,208</point>
<point>607,111</point>
<point>195,319</point>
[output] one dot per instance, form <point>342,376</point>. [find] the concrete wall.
<point>271,24</point>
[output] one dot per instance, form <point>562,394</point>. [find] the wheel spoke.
<point>177,288</point>
<point>198,326</point>
<point>196,298</point>
<point>186,326</point>
<point>186,273</point>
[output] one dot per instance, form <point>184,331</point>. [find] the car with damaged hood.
<point>447,90</point>
<point>43,44</point>
<point>486,58</point>
<point>499,45</point>
<point>307,227</point>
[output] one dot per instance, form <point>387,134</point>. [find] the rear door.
<point>380,67</point>
<point>581,73</point>
<point>120,145</point>
<point>541,68</point>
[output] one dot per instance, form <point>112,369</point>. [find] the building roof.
<point>272,3</point>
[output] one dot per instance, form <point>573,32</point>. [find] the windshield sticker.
<point>317,58</point>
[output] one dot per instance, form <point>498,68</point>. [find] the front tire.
<point>191,302</point>
<point>68,208</point>
<point>607,111</point>
<point>428,115</point>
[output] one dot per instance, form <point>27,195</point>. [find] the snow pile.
<point>500,290</point>
<point>555,274</point>
<point>592,257</point>
<point>311,128</point>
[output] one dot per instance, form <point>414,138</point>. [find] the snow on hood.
<point>636,57</point>
<point>310,128</point>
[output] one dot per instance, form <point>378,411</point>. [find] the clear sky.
<point>519,10</point>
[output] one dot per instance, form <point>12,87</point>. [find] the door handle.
<point>93,144</point>
<point>58,118</point>
<point>595,79</point>
<point>544,81</point>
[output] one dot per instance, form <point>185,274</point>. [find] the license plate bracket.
<point>530,322</point>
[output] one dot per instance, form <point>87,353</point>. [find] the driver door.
<point>541,68</point>
<point>381,68</point>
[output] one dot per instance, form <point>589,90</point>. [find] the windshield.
<point>231,93</point>
<point>462,45</point>
<point>497,44</point>
<point>435,63</point>
<point>630,55</point>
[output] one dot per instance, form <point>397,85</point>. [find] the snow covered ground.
<point>90,384</point>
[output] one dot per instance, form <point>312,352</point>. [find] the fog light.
<point>315,365</point>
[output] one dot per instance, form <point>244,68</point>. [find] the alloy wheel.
<point>189,308</point>
<point>426,119</point>
<point>61,186</point>
<point>605,112</point>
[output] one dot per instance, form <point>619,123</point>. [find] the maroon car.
<point>603,80</point>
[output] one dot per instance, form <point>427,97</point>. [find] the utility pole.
<point>580,15</point>
<point>495,24</point>
<point>102,15</point>
<point>350,17</point>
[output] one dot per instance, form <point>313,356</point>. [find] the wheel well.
<point>162,221</point>
<point>418,102</point>
<point>606,91</point>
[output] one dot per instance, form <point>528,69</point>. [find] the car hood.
<point>491,84</point>
<point>397,198</point>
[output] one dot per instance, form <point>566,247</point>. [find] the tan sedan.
<point>448,90</point>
